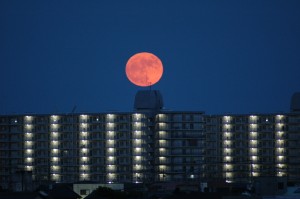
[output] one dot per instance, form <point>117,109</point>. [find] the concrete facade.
<point>148,145</point>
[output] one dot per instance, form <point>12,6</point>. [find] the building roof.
<point>295,102</point>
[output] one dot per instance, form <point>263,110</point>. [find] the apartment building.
<point>241,147</point>
<point>149,144</point>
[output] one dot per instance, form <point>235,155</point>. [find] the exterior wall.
<point>179,141</point>
<point>149,146</point>
<point>71,148</point>
<point>247,146</point>
<point>293,147</point>
<point>213,148</point>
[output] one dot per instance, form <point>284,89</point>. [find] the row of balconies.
<point>188,134</point>
<point>89,118</point>
<point>244,120</point>
<point>129,118</point>
<point>70,119</point>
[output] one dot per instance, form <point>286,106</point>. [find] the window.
<point>84,191</point>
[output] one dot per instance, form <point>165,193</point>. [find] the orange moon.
<point>144,69</point>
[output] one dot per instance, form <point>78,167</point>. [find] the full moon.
<point>144,69</point>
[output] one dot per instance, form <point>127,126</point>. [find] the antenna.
<point>74,108</point>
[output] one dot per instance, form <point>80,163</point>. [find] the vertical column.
<point>253,146</point>
<point>137,159</point>
<point>54,149</point>
<point>111,168</point>
<point>280,150</point>
<point>84,159</point>
<point>162,148</point>
<point>227,148</point>
<point>28,144</point>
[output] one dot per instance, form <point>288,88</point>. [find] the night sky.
<point>219,56</point>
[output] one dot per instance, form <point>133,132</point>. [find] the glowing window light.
<point>253,141</point>
<point>84,167</point>
<point>253,135</point>
<point>54,134</point>
<point>110,124</point>
<point>110,141</point>
<point>253,150</point>
<point>227,142</point>
<point>83,125</point>
<point>84,176</point>
<point>29,151</point>
<point>137,167</point>
<point>226,119</point>
<point>254,158</point>
<point>254,166</point>
<point>83,117</point>
<point>55,151</point>
<point>162,176</point>
<point>138,157</point>
<point>281,166</point>
<point>162,125</point>
<point>55,159</point>
<point>280,141</point>
<point>253,117</point>
<point>280,133</point>
<point>54,143</point>
<point>279,118</point>
<point>28,135</point>
<point>84,142</point>
<point>29,168</point>
<point>54,127</point>
<point>228,175</point>
<point>228,166</point>
<point>228,158</point>
<point>83,133</point>
<point>111,168</point>
<point>162,158</point>
<point>280,157</point>
<point>28,118</point>
<point>279,173</point>
<point>55,168</point>
<point>84,158</point>
<point>110,117</point>
<point>280,150</point>
<point>28,126</point>
<point>138,141</point>
<point>161,116</point>
<point>84,150</point>
<point>227,126</point>
<point>111,177</point>
<point>54,118</point>
<point>111,158</point>
<point>137,116</point>
<point>227,134</point>
<point>28,143</point>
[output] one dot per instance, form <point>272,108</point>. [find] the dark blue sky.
<point>218,56</point>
